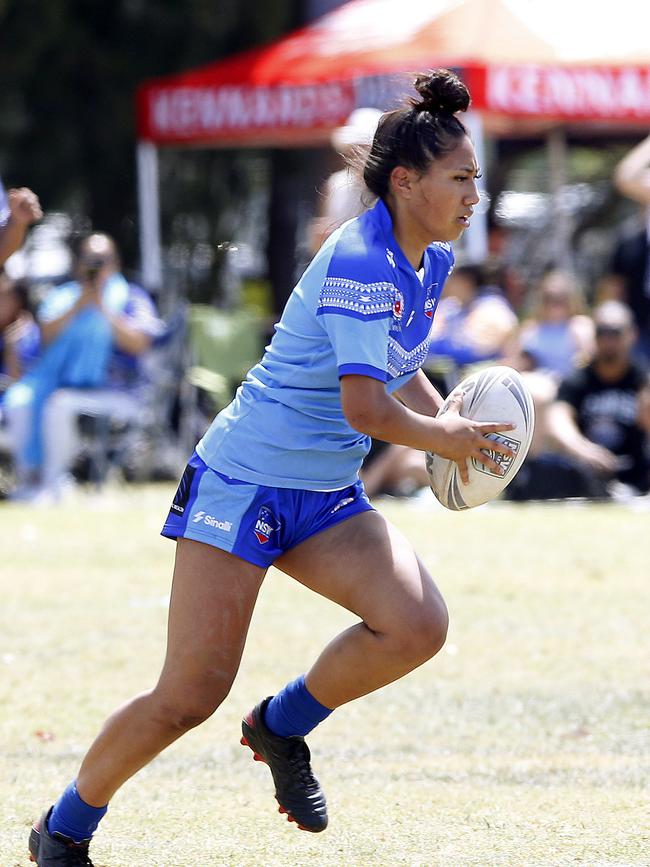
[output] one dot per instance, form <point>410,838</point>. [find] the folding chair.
<point>223,346</point>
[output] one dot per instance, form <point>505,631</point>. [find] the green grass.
<point>525,742</point>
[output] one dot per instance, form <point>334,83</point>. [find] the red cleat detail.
<point>288,759</point>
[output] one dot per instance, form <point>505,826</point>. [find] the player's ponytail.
<point>425,129</point>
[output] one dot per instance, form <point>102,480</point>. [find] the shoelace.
<point>79,856</point>
<point>301,769</point>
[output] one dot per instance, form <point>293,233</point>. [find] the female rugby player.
<point>275,481</point>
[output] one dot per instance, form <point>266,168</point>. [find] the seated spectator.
<point>473,324</point>
<point>558,337</point>
<point>600,419</point>
<point>395,470</point>
<point>95,331</point>
<point>19,334</point>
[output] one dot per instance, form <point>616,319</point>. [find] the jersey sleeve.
<point>357,317</point>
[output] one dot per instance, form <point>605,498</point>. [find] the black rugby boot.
<point>55,850</point>
<point>296,788</point>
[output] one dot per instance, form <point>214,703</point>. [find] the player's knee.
<point>183,711</point>
<point>424,632</point>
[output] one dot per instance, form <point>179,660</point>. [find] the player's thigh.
<point>212,601</point>
<point>369,567</point>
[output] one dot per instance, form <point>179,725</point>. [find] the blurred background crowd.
<point>113,369</point>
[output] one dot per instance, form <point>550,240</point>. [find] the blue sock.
<point>294,710</point>
<point>73,817</point>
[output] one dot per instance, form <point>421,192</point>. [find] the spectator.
<point>395,470</point>
<point>342,197</point>
<point>630,265</point>
<point>601,419</point>
<point>559,336</point>
<point>95,331</point>
<point>473,324</point>
<point>554,340</point>
<point>18,210</point>
<point>19,333</point>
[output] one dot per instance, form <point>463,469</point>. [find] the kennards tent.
<point>531,65</point>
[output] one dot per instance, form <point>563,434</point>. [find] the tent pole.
<point>557,156</point>
<point>149,214</point>
<point>475,239</point>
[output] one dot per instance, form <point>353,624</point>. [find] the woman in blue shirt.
<point>275,480</point>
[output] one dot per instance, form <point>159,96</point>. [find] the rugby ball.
<point>491,394</point>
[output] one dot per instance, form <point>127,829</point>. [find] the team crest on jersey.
<point>265,525</point>
<point>429,307</point>
<point>398,305</point>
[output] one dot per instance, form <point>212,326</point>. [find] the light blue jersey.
<point>359,308</point>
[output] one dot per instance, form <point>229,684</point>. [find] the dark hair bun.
<point>441,92</point>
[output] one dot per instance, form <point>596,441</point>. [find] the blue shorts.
<point>254,522</point>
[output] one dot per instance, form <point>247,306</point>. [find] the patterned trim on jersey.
<point>402,360</point>
<point>360,300</point>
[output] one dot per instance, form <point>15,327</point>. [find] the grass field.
<point>525,742</point>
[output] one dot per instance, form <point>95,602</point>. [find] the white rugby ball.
<point>491,394</point>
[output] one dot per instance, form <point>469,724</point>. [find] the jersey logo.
<point>398,305</point>
<point>341,504</point>
<point>265,525</point>
<point>391,258</point>
<point>429,307</point>
<point>211,521</point>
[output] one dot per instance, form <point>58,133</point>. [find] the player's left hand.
<point>468,439</point>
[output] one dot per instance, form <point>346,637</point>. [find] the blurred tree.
<point>68,72</point>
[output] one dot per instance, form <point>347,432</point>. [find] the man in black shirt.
<point>601,418</point>
<point>630,265</point>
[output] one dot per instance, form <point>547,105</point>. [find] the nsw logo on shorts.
<point>265,525</point>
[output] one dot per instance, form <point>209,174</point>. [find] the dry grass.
<point>526,742</point>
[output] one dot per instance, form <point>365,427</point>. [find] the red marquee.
<point>535,60</point>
